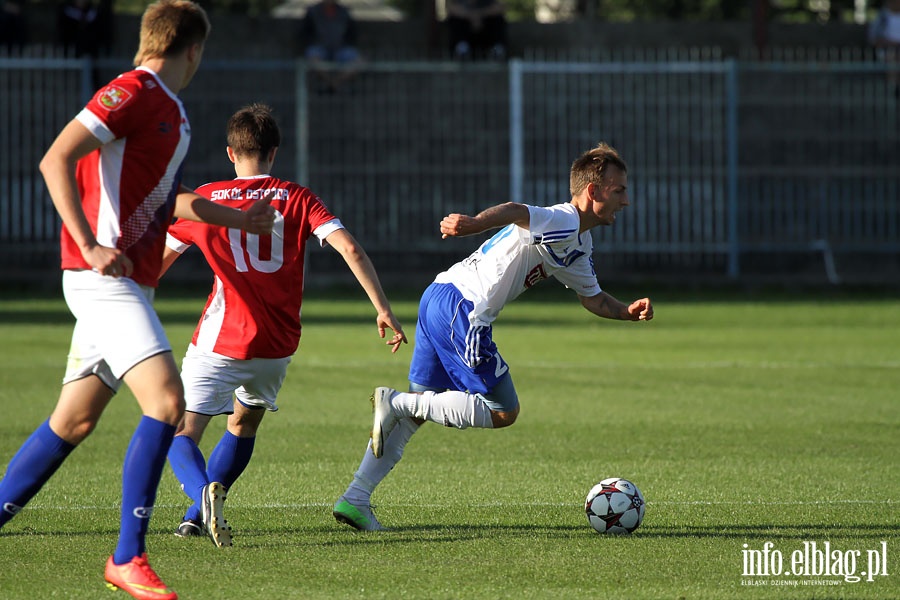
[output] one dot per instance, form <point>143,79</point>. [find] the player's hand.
<point>641,310</point>
<point>111,262</point>
<point>260,217</point>
<point>457,225</point>
<point>389,321</point>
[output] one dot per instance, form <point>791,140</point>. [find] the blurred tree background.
<point>791,11</point>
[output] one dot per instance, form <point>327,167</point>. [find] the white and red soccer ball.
<point>614,505</point>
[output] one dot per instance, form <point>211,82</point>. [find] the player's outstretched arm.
<point>457,225</point>
<point>364,271</point>
<point>604,305</point>
<point>257,219</point>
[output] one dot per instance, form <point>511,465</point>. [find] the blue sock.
<point>226,462</point>
<point>30,468</point>
<point>189,466</point>
<point>141,471</point>
<point>229,458</point>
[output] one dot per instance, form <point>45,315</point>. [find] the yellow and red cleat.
<point>138,579</point>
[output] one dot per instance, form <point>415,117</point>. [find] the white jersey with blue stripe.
<point>515,259</point>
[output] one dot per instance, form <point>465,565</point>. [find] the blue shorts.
<point>343,55</point>
<point>452,354</point>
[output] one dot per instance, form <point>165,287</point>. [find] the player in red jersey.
<point>250,327</point>
<point>114,175</point>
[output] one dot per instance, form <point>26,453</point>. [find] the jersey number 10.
<point>252,250</point>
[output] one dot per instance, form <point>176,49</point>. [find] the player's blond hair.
<point>168,27</point>
<point>253,131</point>
<point>591,166</point>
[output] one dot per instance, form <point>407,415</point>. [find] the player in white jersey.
<point>250,326</point>
<point>457,377</point>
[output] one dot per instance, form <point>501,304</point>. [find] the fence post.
<point>301,153</point>
<point>87,80</point>
<point>731,137</point>
<point>516,133</point>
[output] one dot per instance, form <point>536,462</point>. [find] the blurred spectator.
<point>85,30</point>
<point>477,29</point>
<point>13,29</point>
<point>884,35</point>
<point>85,27</point>
<point>329,32</point>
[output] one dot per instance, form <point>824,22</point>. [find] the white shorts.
<point>212,380</point>
<point>115,326</point>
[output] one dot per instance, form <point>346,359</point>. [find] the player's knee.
<point>172,410</point>
<point>76,431</point>
<point>169,406</point>
<point>504,419</point>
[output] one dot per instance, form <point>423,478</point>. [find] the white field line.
<point>713,364</point>
<point>724,364</point>
<point>303,505</point>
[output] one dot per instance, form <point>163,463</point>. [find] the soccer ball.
<point>614,506</point>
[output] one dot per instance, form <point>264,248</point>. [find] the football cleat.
<point>358,517</point>
<point>384,418</point>
<point>190,528</point>
<point>138,579</point>
<point>217,528</point>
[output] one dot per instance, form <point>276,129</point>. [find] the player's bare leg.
<point>156,384</point>
<point>81,403</point>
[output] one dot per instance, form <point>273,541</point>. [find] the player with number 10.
<point>250,327</point>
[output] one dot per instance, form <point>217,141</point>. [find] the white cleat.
<point>214,523</point>
<point>384,419</point>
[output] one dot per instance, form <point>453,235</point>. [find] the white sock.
<point>450,409</point>
<point>373,470</point>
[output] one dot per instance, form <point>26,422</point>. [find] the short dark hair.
<point>590,167</point>
<point>253,131</point>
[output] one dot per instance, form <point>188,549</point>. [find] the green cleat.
<point>358,517</point>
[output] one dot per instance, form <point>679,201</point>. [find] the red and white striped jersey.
<point>128,186</point>
<point>253,310</point>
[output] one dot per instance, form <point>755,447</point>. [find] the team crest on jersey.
<point>113,98</point>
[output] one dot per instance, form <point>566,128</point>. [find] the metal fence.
<point>737,168</point>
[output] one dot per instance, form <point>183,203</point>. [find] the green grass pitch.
<point>750,424</point>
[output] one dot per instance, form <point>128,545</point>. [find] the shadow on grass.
<point>61,315</point>
<point>31,531</point>
<point>339,536</point>
<point>37,317</point>
<point>335,536</point>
